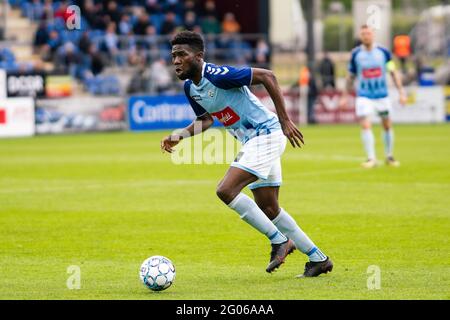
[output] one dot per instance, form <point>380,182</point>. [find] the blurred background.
<point>91,65</point>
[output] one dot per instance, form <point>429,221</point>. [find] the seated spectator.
<point>229,24</point>
<point>210,8</point>
<point>96,61</point>
<point>169,24</point>
<point>125,24</point>
<point>111,42</point>
<point>173,6</point>
<point>41,37</point>
<point>53,43</point>
<point>153,7</point>
<point>47,11</point>
<point>190,20</point>
<point>113,12</point>
<point>67,58</point>
<point>160,76</point>
<point>262,52</point>
<point>91,14</point>
<point>189,5</point>
<point>141,25</point>
<point>210,25</point>
<point>84,43</point>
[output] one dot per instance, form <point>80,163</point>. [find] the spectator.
<point>153,7</point>
<point>113,12</point>
<point>92,16</point>
<point>160,76</point>
<point>327,72</point>
<point>111,43</point>
<point>169,24</point>
<point>141,25</point>
<point>190,20</point>
<point>210,25</point>
<point>41,37</point>
<point>96,61</point>
<point>229,24</point>
<point>210,8</point>
<point>189,5</point>
<point>53,43</point>
<point>68,58</point>
<point>125,25</point>
<point>262,53</point>
<point>47,11</point>
<point>84,43</point>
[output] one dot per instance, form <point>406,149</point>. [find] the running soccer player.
<point>222,92</point>
<point>369,64</point>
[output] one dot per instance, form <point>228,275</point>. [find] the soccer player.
<point>369,64</point>
<point>222,92</point>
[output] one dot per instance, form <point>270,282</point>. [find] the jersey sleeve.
<point>198,109</point>
<point>387,54</point>
<point>352,68</point>
<point>227,77</point>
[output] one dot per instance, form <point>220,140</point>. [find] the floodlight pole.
<point>310,47</point>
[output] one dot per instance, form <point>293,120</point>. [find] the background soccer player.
<point>369,64</point>
<point>222,92</point>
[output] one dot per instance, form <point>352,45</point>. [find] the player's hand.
<point>291,131</point>
<point>169,142</point>
<point>403,99</point>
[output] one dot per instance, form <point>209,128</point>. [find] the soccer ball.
<point>157,273</point>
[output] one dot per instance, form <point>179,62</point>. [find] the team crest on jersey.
<point>226,116</point>
<point>211,93</point>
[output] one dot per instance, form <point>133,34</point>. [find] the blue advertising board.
<point>159,112</point>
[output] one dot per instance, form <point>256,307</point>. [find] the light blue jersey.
<point>370,68</point>
<point>223,93</point>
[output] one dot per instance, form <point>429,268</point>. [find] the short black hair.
<point>192,39</point>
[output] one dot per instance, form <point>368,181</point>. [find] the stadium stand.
<point>126,34</point>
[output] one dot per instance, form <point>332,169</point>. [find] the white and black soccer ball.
<point>157,273</point>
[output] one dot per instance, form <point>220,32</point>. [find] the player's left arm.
<point>396,77</point>
<point>269,81</point>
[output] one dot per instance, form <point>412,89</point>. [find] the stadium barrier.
<point>425,105</point>
<point>16,117</point>
<point>159,112</point>
<point>35,84</point>
<point>80,114</point>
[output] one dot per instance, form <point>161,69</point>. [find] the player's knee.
<point>271,211</point>
<point>225,193</point>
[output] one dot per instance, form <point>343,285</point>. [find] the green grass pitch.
<point>106,202</point>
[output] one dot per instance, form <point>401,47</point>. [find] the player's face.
<point>187,61</point>
<point>366,36</point>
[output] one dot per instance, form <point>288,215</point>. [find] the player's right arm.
<point>349,87</point>
<point>199,125</point>
<point>202,123</point>
<point>350,80</point>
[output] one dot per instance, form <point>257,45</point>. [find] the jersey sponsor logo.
<point>226,116</point>
<point>372,73</point>
<point>2,116</point>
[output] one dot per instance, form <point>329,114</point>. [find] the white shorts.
<point>261,157</point>
<point>367,107</point>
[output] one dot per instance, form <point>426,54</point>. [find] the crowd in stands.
<point>133,33</point>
